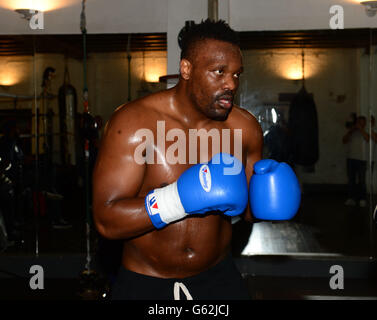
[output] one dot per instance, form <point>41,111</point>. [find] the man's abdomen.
<point>182,249</point>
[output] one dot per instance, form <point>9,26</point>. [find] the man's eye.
<point>219,71</point>
<point>237,75</point>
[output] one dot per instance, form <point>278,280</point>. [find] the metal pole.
<point>36,124</point>
<point>371,197</point>
<point>213,10</point>
<point>129,66</point>
<point>86,146</point>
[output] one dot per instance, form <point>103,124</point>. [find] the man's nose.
<point>230,83</point>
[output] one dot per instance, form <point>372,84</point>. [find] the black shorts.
<point>221,282</point>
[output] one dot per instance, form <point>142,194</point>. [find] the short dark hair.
<point>208,29</point>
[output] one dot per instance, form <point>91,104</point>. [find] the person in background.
<point>357,139</point>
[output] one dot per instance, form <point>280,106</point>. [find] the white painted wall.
<point>103,16</point>
<point>139,16</point>
<point>248,15</point>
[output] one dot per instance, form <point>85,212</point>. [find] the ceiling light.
<point>28,13</point>
<point>370,7</point>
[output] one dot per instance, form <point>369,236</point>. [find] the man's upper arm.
<point>117,175</point>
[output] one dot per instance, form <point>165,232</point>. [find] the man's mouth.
<point>225,102</point>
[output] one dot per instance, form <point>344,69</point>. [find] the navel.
<point>190,252</point>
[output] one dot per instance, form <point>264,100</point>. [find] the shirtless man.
<point>190,256</point>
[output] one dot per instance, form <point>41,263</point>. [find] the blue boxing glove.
<point>220,185</point>
<point>274,191</point>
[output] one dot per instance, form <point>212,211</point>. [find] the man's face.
<point>214,77</point>
<point>361,122</point>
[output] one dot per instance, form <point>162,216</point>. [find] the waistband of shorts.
<point>225,263</point>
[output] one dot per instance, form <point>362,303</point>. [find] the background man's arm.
<point>364,134</point>
<point>374,136</point>
<point>118,211</point>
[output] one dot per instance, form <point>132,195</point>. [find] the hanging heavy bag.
<point>67,121</point>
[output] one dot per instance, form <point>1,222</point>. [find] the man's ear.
<point>185,68</point>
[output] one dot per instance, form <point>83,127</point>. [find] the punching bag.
<point>303,129</point>
<point>67,120</point>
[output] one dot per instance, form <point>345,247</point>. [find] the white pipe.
<point>19,96</point>
<point>213,10</point>
<point>15,96</point>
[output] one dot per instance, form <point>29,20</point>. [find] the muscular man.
<point>190,256</point>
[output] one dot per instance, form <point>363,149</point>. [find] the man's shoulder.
<point>149,103</point>
<point>128,122</point>
<point>139,111</point>
<point>251,130</point>
<point>241,117</point>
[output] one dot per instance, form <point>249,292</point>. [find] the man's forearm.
<point>122,219</point>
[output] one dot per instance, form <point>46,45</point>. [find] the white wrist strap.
<point>165,203</point>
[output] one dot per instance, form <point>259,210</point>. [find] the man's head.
<point>362,121</point>
<point>48,74</point>
<point>210,66</point>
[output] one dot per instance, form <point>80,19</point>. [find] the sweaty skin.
<point>203,98</point>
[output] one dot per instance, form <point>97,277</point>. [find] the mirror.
<point>306,100</point>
